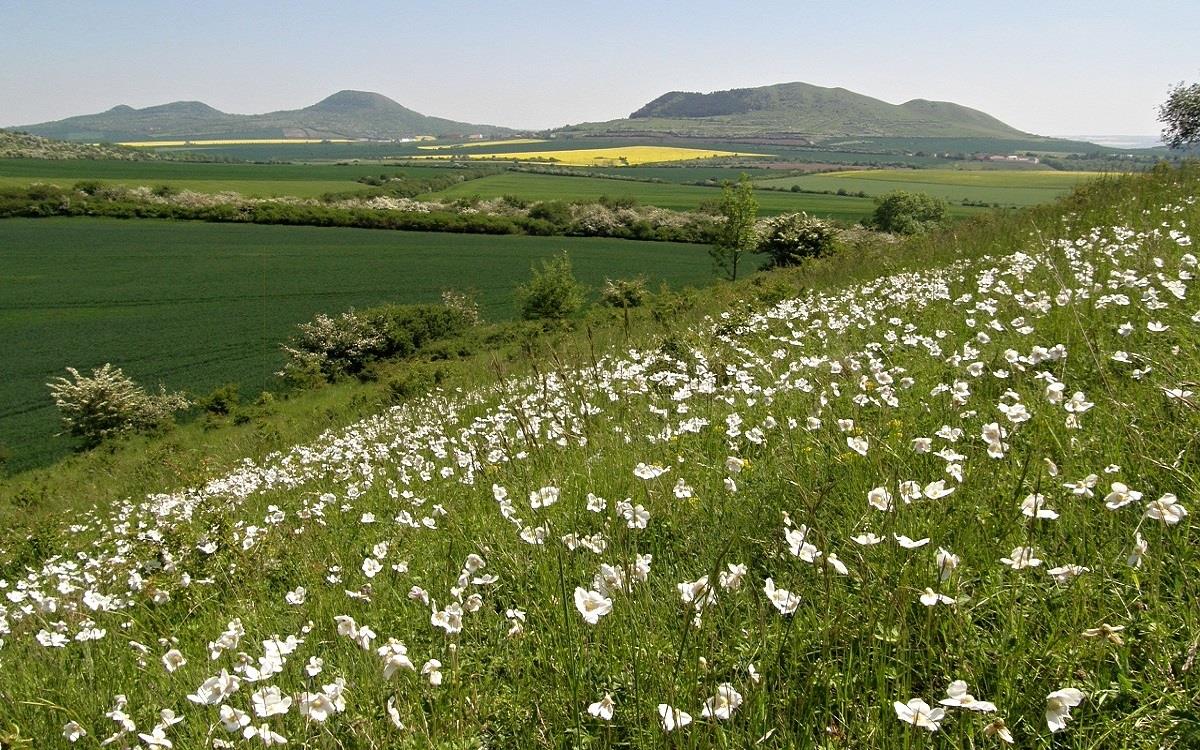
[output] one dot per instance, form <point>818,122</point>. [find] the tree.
<point>903,212</point>
<point>1181,116</point>
<point>790,238</point>
<point>735,234</point>
<point>552,293</point>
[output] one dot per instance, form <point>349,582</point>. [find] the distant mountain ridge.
<point>346,114</point>
<point>805,110</point>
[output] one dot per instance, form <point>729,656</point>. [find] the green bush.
<point>328,348</point>
<point>552,293</point>
<point>902,212</point>
<point>624,293</point>
<point>221,401</point>
<point>790,238</point>
<point>554,212</point>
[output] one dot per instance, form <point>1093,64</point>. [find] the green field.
<point>195,305</point>
<point>303,180</point>
<point>540,187</point>
<point>1006,187</point>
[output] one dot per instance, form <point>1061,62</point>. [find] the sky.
<point>1054,67</point>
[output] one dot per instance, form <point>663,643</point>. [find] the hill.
<point>801,109</point>
<point>15,145</point>
<point>796,512</point>
<point>346,114</point>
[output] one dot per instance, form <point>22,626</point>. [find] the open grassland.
<point>1005,187</point>
<point>301,180</point>
<point>962,474</point>
<point>604,157</point>
<point>539,187</point>
<point>196,305</point>
<point>235,142</point>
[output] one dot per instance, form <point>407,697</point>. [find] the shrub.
<point>624,293</point>
<point>327,348</point>
<point>901,212</point>
<point>555,212</point>
<point>790,238</point>
<point>221,401</point>
<point>463,304</point>
<point>406,329</point>
<point>109,403</point>
<point>553,293</point>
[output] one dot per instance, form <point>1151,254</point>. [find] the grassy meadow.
<point>194,305</point>
<point>301,180</point>
<point>941,493</point>
<point>539,187</point>
<point>1004,187</point>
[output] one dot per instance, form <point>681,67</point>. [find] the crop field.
<point>604,157</point>
<point>1006,187</point>
<point>303,180</point>
<point>234,142</point>
<point>197,305</point>
<point>537,187</point>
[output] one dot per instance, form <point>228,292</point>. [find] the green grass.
<point>196,305</point>
<point>1006,187</point>
<point>303,180</point>
<point>738,376</point>
<point>540,187</point>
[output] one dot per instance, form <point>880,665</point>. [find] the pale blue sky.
<point>1046,67</point>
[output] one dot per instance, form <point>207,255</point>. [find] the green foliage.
<point>221,401</point>
<point>902,212</point>
<point>555,212</point>
<point>108,403</point>
<point>624,293</point>
<point>789,239</point>
<point>552,293</point>
<point>735,235</point>
<point>328,348</point>
<point>1180,115</point>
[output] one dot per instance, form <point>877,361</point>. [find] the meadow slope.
<point>799,522</point>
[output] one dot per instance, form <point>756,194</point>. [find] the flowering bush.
<point>327,348</point>
<point>791,238</point>
<point>109,403</point>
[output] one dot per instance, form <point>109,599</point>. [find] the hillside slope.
<point>802,109</point>
<point>346,114</point>
<point>960,473</point>
<point>26,146</point>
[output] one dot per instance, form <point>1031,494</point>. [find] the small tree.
<point>902,212</point>
<point>790,238</point>
<point>1181,116</point>
<point>109,403</point>
<point>327,348</point>
<point>552,293</point>
<point>735,235</point>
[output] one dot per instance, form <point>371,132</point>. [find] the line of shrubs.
<point>549,218</point>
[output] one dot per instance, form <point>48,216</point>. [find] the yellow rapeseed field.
<point>602,157</point>
<point>477,144</point>
<point>234,142</point>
